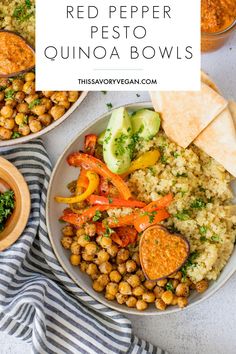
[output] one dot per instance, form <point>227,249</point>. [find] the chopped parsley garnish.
<point>109,105</point>
<point>215,238</point>
<point>110,200</point>
<point>34,103</point>
<point>164,159</point>
<point>108,232</point>
<point>175,154</point>
<point>202,230</point>
<point>184,215</point>
<point>86,238</point>
<point>203,239</point>
<point>182,174</point>
<point>97,216</point>
<point>9,94</point>
<point>198,204</point>
<point>2,88</point>
<point>152,216</point>
<point>169,286</point>
<point>23,12</point>
<point>16,135</point>
<point>152,170</point>
<point>120,144</point>
<point>7,204</point>
<point>189,264</point>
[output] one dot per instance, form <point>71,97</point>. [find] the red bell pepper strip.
<point>98,200</point>
<point>161,203</point>
<point>90,142</point>
<point>124,236</point>
<point>143,222</point>
<point>121,221</point>
<point>91,163</point>
<point>85,216</point>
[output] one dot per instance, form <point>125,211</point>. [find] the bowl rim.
<point>225,30</point>
<point>123,309</point>
<point>25,206</point>
<point>28,45</point>
<point>47,129</point>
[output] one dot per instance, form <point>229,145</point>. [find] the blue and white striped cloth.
<point>39,303</point>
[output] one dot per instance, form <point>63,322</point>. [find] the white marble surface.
<point>208,328</point>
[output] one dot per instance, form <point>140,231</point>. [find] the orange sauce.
<point>15,54</point>
<point>162,253</point>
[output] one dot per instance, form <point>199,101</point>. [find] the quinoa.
<point>202,202</point>
<point>19,16</point>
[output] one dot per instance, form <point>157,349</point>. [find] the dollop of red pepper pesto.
<point>15,54</point>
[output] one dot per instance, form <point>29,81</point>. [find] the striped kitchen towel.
<point>39,303</point>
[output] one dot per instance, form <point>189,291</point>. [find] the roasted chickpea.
<point>7,111</point>
<point>91,248</point>
<point>148,297</point>
<point>5,134</point>
<point>20,96</point>
<point>75,259</point>
<point>158,291</point>
<point>65,104</point>
<point>73,96</point>
<point>122,255</point>
<point>121,299</point>
<point>105,267</point>
<point>131,266</point>
<point>87,257</point>
<point>115,276</point>
<point>46,103</point>
<point>174,283</point>
<point>112,288</point>
<point>178,275</point>
<point>57,112</point>
<point>105,242</point>
<point>35,126</point>
<point>83,240</point>
<point>9,123</point>
<point>60,96</point>
<point>131,302</point>
<point>125,288</point>
<point>149,284</point>
<point>75,248</point>
<point>182,302</point>
<point>20,118</point>
<point>66,242</point>
<point>22,108</point>
<point>103,279</point>
<point>31,98</point>
<point>167,297</point>
<point>162,282</point>
<point>122,268</point>
<point>48,93</point>
<point>97,286</point>
<point>38,110</point>
<point>83,266</point>
<point>201,286</point>
<point>109,296</point>
<point>17,85</point>
<point>138,290</point>
<point>140,274</point>
<point>133,280</point>
<point>182,290</point>
<point>160,304</point>
<point>112,250</point>
<point>141,305</point>
<point>80,232</point>
<point>136,258</point>
<point>29,87</point>
<point>92,269</point>
<point>24,129</point>
<point>29,77</point>
<point>68,230</point>
<point>45,119</point>
<point>90,229</point>
<point>102,257</point>
<point>175,300</point>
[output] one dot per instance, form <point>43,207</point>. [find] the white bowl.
<point>25,139</point>
<point>62,175</point>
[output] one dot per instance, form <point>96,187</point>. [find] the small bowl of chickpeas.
<point>26,114</point>
<point>109,273</point>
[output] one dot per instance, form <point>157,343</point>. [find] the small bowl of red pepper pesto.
<point>16,55</point>
<point>218,22</point>
<point>14,204</point>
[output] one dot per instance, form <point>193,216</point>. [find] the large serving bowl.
<point>45,130</point>
<point>62,175</point>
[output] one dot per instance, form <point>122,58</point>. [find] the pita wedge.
<point>232,108</point>
<point>186,114</point>
<point>209,82</point>
<point>218,140</point>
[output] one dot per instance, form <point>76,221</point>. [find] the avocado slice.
<point>146,123</point>
<point>117,140</point>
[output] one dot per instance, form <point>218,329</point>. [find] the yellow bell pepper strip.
<point>93,184</point>
<point>82,181</point>
<point>91,163</point>
<point>145,160</point>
